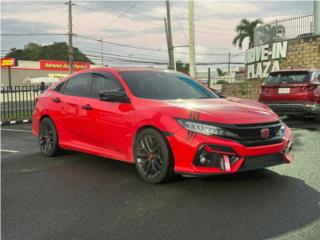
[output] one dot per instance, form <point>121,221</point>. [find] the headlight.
<point>205,128</point>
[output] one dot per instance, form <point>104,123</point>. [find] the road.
<point>77,196</point>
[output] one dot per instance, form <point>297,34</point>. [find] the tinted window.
<point>59,87</point>
<point>78,85</point>
<point>288,77</point>
<point>164,85</point>
<point>103,82</point>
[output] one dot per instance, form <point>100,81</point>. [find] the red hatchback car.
<point>163,121</point>
<point>293,92</point>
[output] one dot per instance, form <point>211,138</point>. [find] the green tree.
<point>55,51</point>
<point>245,30</point>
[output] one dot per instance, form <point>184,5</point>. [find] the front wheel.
<point>48,138</point>
<point>153,157</point>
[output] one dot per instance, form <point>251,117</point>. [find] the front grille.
<point>250,134</point>
<point>262,161</point>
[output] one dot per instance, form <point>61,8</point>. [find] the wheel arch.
<point>163,133</point>
<point>46,115</point>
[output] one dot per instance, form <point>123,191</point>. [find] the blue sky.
<point>140,24</point>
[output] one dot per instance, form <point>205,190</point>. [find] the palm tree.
<point>245,30</point>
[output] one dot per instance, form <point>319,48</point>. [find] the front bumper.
<point>226,156</point>
<point>297,108</point>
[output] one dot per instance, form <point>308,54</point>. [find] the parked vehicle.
<point>293,92</point>
<point>162,121</point>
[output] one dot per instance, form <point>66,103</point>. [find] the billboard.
<point>8,62</point>
<point>54,65</point>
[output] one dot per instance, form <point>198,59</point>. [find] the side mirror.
<point>117,95</point>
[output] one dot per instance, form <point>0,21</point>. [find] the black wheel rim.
<point>46,138</point>
<point>149,156</point>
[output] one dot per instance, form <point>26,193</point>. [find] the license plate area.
<point>283,90</point>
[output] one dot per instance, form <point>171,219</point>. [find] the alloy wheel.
<point>46,138</point>
<point>149,156</point>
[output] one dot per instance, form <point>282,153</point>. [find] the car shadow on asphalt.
<point>307,123</point>
<point>249,205</point>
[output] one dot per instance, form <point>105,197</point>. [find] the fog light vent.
<point>208,157</point>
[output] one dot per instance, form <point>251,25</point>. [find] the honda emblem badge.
<point>264,133</point>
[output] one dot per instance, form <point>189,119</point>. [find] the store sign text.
<point>54,65</point>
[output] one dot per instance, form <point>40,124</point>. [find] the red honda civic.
<point>162,121</point>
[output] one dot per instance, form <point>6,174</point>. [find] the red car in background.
<point>162,121</point>
<point>293,92</point>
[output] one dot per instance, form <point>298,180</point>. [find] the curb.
<point>15,122</point>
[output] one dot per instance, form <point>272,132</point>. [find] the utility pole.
<point>316,17</point>
<point>209,77</point>
<point>70,35</point>
<point>172,62</point>
<point>168,43</point>
<point>102,52</point>
<point>192,51</point>
<point>229,59</point>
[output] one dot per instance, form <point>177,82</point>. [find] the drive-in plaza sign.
<point>261,60</point>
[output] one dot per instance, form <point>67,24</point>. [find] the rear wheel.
<point>48,138</point>
<point>153,157</point>
<point>318,118</point>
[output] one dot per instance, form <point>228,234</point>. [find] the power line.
<point>117,18</point>
<point>118,55</point>
<point>108,7</point>
<point>165,63</point>
<point>159,18</point>
<point>121,44</point>
<point>137,20</point>
<point>180,26</point>
<point>114,43</point>
<point>147,49</point>
<point>33,34</point>
<point>130,60</point>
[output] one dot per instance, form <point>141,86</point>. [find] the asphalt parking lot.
<point>77,196</point>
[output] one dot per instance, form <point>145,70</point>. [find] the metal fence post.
<point>209,77</point>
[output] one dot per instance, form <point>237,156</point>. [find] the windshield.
<point>288,77</point>
<point>164,85</point>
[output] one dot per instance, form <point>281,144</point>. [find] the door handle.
<point>56,100</point>
<point>87,107</point>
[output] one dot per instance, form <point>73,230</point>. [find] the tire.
<point>317,118</point>
<point>153,157</point>
<point>48,139</point>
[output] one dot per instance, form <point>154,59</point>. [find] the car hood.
<point>222,110</point>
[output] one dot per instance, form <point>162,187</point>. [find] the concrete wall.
<point>19,75</point>
<point>249,89</point>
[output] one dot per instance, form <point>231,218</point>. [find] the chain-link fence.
<point>283,29</point>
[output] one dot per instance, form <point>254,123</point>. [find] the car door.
<point>106,123</point>
<point>76,89</point>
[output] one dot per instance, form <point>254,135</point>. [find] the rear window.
<point>288,77</point>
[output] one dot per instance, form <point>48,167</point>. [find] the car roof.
<point>126,69</point>
<point>297,70</point>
